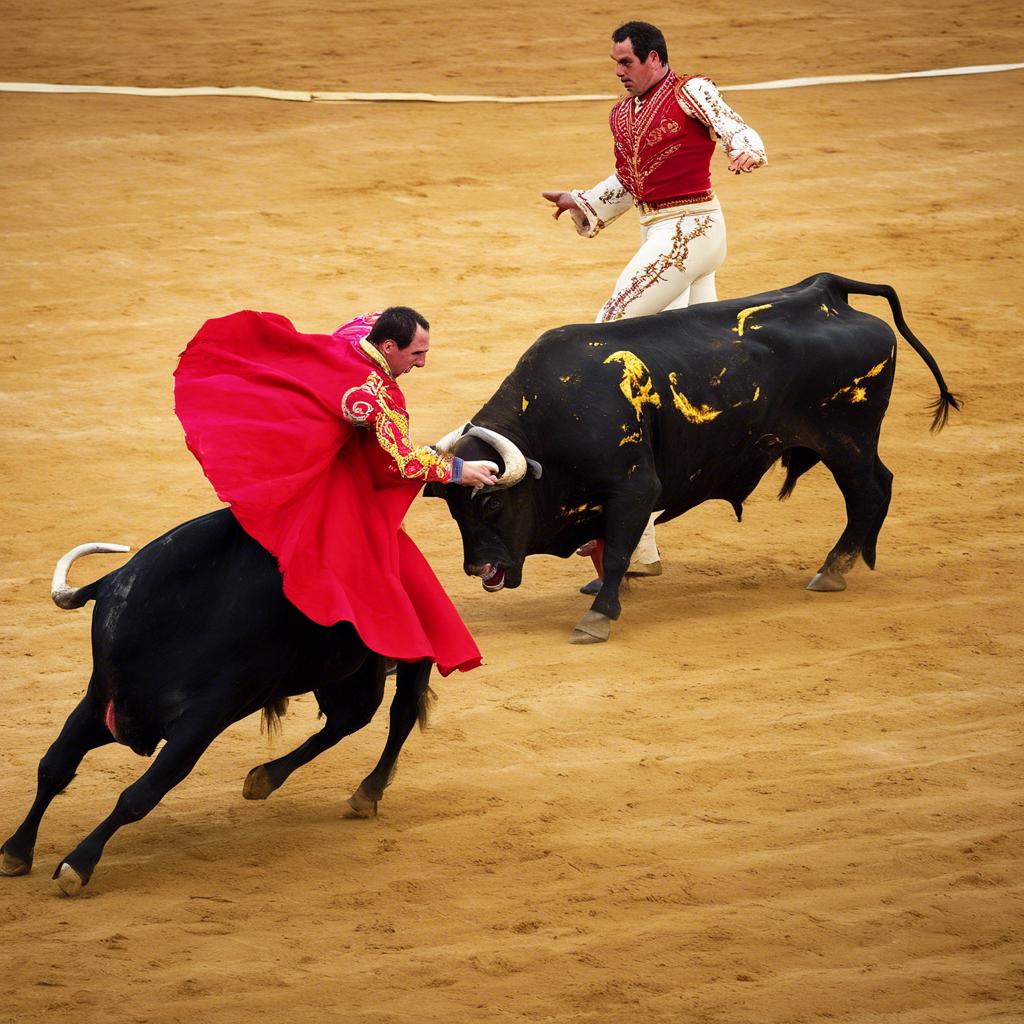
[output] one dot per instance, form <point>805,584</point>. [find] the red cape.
<point>260,404</point>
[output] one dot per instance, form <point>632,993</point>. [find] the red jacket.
<point>660,151</point>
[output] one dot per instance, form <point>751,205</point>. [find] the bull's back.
<point>726,367</point>
<point>201,597</point>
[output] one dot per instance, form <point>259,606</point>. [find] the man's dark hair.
<point>397,323</point>
<point>644,37</point>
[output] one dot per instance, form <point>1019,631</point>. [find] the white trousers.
<point>673,268</point>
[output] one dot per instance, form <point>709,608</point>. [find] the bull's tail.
<point>946,400</point>
<point>424,707</point>
<point>65,596</point>
<point>270,719</point>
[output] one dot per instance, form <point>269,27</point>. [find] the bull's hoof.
<point>827,583</point>
<point>592,588</point>
<point>11,866</point>
<point>644,569</point>
<point>361,806</point>
<point>258,784</point>
<point>593,628</point>
<point>69,881</point>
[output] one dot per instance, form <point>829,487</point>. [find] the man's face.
<point>402,360</point>
<point>636,76</point>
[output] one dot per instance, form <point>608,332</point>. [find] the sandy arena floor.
<point>755,805</point>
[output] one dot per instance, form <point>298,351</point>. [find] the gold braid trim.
<point>374,355</point>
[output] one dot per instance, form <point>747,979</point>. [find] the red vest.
<point>660,152</point>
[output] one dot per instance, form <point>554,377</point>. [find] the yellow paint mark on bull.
<point>632,438</point>
<point>526,402</point>
<point>636,383</point>
<point>743,315</point>
<point>717,379</point>
<point>580,509</point>
<point>757,395</point>
<point>693,413</point>
<point>853,391</point>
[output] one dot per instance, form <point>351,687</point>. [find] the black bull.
<point>665,412</point>
<point>189,636</point>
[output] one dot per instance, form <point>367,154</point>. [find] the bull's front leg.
<point>411,703</point>
<point>626,515</point>
<point>348,706</point>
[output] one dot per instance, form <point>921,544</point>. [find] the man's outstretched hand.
<point>563,202</point>
<point>744,163</point>
<point>479,474</point>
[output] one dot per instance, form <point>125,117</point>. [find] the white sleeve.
<point>701,100</point>
<point>598,206</point>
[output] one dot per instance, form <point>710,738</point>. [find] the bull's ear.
<point>433,490</point>
<point>535,468</point>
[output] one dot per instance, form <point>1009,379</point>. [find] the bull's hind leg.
<point>411,702</point>
<point>884,480</point>
<point>866,486</point>
<point>348,706</point>
<point>83,731</point>
<point>186,743</point>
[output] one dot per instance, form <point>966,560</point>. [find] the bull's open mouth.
<point>493,578</point>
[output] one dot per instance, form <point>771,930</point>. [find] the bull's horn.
<point>68,597</point>
<point>515,461</point>
<point>447,443</point>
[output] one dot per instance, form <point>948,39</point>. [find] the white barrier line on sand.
<point>426,97</point>
<point>127,90</point>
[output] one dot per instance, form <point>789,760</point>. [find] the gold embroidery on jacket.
<point>635,130</point>
<point>391,428</point>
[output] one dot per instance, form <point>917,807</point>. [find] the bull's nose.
<point>479,570</point>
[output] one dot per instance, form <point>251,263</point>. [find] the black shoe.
<point>593,587</point>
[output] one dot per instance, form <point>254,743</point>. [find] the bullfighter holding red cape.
<point>306,436</point>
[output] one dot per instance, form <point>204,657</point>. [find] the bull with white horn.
<point>656,415</point>
<point>494,561</point>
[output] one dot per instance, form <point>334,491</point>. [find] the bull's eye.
<point>490,506</point>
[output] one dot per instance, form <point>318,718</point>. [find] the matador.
<point>664,134</point>
<point>306,437</point>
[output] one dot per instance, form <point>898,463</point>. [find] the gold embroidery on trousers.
<point>674,259</point>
